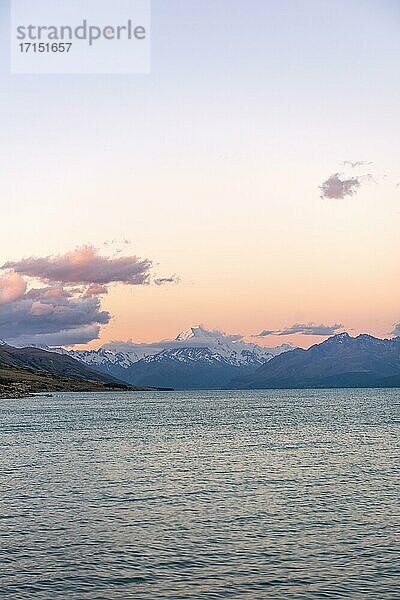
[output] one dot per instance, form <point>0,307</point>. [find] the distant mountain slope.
<point>50,362</point>
<point>340,361</point>
<point>195,359</point>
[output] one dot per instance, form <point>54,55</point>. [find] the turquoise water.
<point>275,494</point>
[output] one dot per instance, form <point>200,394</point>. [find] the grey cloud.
<point>52,314</point>
<point>166,280</point>
<point>337,187</point>
<point>304,329</point>
<point>265,333</point>
<point>68,337</point>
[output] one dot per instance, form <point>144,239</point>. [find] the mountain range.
<point>339,361</point>
<point>195,359</point>
<point>201,359</point>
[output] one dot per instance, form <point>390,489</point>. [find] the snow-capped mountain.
<point>196,358</point>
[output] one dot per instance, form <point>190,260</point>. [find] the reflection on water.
<point>275,494</point>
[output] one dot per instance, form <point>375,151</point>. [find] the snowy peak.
<point>190,333</point>
<point>205,355</point>
<point>199,334</point>
<point>196,343</point>
<point>229,348</point>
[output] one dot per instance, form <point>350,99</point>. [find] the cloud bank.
<point>52,314</point>
<point>64,308</point>
<point>303,329</point>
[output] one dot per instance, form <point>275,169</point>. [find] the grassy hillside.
<point>16,383</point>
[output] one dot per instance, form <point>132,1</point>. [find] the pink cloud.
<point>39,309</point>
<point>95,289</point>
<point>12,287</point>
<point>85,266</point>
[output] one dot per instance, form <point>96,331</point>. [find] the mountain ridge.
<point>339,361</point>
<point>196,358</point>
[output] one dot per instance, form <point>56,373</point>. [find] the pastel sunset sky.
<point>228,167</point>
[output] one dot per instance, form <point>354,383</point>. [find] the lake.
<point>243,494</point>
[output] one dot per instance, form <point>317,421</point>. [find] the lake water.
<point>261,494</point>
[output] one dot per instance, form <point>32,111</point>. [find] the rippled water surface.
<point>275,494</point>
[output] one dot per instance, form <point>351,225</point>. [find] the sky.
<point>226,172</point>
